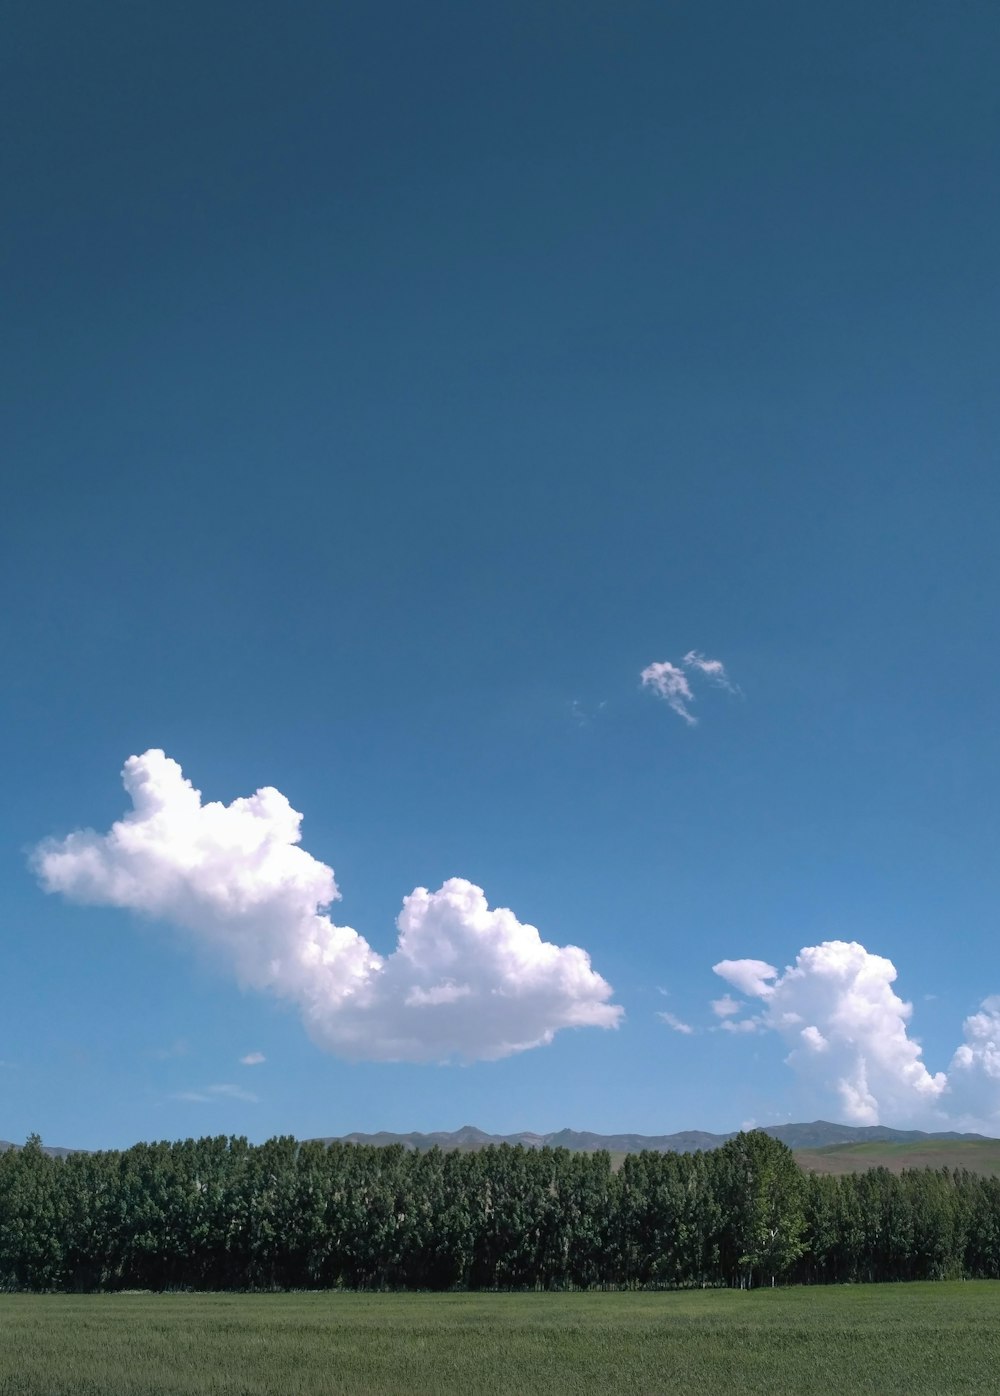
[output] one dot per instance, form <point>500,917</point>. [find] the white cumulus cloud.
<point>465,980</point>
<point>749,976</point>
<point>848,1036</point>
<point>814,1039</point>
<point>847,1030</point>
<point>974,1074</point>
<point>980,1052</point>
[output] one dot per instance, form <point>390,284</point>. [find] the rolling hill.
<point>977,1155</point>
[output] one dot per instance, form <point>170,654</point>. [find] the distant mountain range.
<point>52,1150</point>
<point>817,1135</point>
<point>807,1136</point>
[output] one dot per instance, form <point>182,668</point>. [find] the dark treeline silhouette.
<point>223,1214</point>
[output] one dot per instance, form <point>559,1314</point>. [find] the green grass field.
<point>912,1339</point>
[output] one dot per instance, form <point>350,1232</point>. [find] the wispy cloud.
<point>671,683</point>
<point>234,1092</point>
<point>713,669</point>
<point>672,1021</point>
<point>207,1094</point>
<point>465,979</point>
<point>584,716</point>
<point>726,1007</point>
<point>253,1059</point>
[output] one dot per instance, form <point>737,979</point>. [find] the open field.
<point>977,1155</point>
<point>912,1339</point>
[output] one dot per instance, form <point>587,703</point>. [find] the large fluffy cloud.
<point>974,1074</point>
<point>847,1029</point>
<point>464,980</point>
<point>979,1054</point>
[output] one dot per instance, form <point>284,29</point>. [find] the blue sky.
<point>385,389</point>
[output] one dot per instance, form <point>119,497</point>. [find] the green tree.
<point>762,1190</point>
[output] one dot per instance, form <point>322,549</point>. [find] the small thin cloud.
<point>713,669</point>
<point>253,1059</point>
<point>180,1048</point>
<point>726,1007</point>
<point>672,1021</point>
<point>208,1094</point>
<point>233,1092</point>
<point>740,1024</point>
<point>671,682</point>
<point>584,716</point>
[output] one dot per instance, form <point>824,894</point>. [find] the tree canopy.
<point>220,1213</point>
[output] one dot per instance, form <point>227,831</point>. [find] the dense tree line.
<point>224,1214</point>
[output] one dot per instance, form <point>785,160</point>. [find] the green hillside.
<point>977,1155</point>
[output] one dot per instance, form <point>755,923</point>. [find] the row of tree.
<point>224,1214</point>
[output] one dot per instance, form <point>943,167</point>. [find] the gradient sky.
<point>385,388</point>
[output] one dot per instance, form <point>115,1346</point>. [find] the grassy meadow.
<point>912,1339</point>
